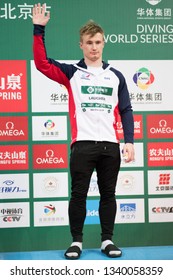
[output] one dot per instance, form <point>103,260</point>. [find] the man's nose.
<point>94,46</point>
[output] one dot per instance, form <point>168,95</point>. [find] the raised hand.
<point>39,14</point>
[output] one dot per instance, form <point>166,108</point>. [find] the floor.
<point>130,253</point>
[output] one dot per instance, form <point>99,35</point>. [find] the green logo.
<point>95,106</point>
<point>96,90</point>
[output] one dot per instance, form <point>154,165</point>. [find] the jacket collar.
<point>82,64</point>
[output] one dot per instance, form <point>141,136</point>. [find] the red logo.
<point>138,127</point>
<point>14,128</point>
<point>14,157</point>
<point>160,154</point>
<point>13,86</point>
<point>164,179</point>
<point>160,126</point>
<point>50,156</point>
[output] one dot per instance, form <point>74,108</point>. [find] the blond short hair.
<point>90,28</point>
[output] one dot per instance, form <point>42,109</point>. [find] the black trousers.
<point>87,156</point>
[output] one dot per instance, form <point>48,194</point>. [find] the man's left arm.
<point>127,120</point>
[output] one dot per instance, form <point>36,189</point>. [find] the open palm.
<point>39,14</point>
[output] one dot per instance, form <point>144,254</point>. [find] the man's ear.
<point>80,45</point>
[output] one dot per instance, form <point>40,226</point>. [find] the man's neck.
<point>96,63</point>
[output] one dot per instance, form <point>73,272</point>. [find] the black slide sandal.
<point>109,248</point>
<point>73,249</point>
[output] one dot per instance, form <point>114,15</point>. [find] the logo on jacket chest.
<point>97,90</point>
<point>85,76</point>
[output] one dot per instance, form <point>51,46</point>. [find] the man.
<point>97,94</point>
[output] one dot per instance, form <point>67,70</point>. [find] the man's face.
<point>92,46</point>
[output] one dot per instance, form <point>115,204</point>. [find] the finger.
<point>131,156</point>
<point>43,9</point>
<point>34,10</point>
<point>39,8</point>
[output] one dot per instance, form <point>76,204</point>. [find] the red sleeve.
<point>48,67</point>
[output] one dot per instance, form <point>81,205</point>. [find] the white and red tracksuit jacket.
<point>95,100</point>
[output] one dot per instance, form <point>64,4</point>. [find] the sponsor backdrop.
<point>35,131</point>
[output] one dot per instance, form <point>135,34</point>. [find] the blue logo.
<point>92,214</point>
<point>128,207</point>
<point>10,187</point>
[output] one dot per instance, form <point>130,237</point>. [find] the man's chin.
<point>94,58</point>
